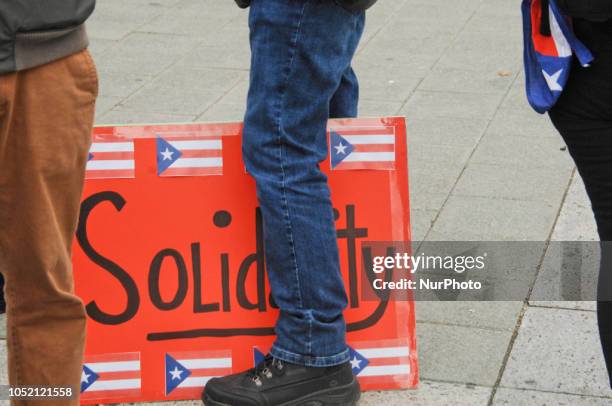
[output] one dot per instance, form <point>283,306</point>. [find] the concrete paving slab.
<point>490,315</point>
<point>195,22</point>
<point>208,80</point>
<point>426,201</point>
<point>587,306</point>
<point>449,131</point>
<point>569,272</point>
<point>534,152</point>
<point>576,221</point>
<point>97,46</point>
<point>422,154</point>
<point>426,104</point>
<point>377,108</point>
<point>499,8</point>
<point>433,178</point>
<point>415,28</point>
<point>221,112</point>
<point>119,84</point>
<point>462,80</point>
<point>484,219</point>
<point>234,34</point>
<point>557,350</point>
<point>513,397</point>
<point>170,100</point>
<point>3,363</point>
<point>115,19</point>
<point>387,86</point>
<point>430,393</point>
<point>435,169</point>
<point>139,117</point>
<point>397,39</point>
<point>394,64</point>
<point>237,94</point>
<point>461,354</point>
<point>146,53</point>
<point>236,56</point>
<point>511,121</point>
<point>469,46</point>
<point>496,10</point>
<point>516,102</point>
<point>457,12</point>
<point>420,222</point>
<point>106,103</point>
<point>514,182</point>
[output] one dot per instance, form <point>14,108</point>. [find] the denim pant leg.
<point>300,50</point>
<point>344,103</point>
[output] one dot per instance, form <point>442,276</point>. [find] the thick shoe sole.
<point>342,396</point>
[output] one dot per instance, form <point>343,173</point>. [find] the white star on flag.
<point>553,80</point>
<point>355,363</point>
<point>84,377</point>
<point>340,149</point>
<point>167,154</point>
<point>176,373</point>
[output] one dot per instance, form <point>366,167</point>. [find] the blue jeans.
<point>301,52</point>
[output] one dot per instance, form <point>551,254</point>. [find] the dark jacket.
<point>594,10</point>
<point>353,5</point>
<point>34,32</point>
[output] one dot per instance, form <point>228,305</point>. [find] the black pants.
<point>583,116</point>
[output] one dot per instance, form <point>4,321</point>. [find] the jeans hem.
<point>309,360</point>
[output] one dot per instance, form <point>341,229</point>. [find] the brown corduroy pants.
<point>46,116</point>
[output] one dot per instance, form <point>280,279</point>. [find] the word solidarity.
<point>190,267</point>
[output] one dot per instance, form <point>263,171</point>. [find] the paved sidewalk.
<point>483,166</point>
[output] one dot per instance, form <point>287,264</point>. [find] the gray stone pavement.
<point>483,166</point>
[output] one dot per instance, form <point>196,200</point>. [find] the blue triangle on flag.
<point>176,373</point>
<point>90,156</point>
<point>358,361</point>
<point>167,154</point>
<point>88,377</point>
<point>339,148</point>
<point>258,356</point>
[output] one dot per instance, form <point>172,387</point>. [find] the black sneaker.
<point>277,383</point>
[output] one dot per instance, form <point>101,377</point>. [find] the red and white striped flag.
<point>188,372</point>
<point>111,376</point>
<point>111,160</point>
<point>362,148</point>
<point>189,156</point>
<point>381,361</point>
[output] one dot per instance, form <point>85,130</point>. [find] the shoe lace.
<point>263,369</point>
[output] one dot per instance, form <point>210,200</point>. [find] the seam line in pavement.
<point>519,321</point>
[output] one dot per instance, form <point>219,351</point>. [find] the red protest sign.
<point>169,257</point>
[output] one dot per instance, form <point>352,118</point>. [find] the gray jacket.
<point>34,32</point>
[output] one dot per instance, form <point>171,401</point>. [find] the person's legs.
<point>300,75</point>
<point>591,150</point>
<point>344,103</point>
<point>301,53</point>
<point>583,117</point>
<point>46,115</point>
